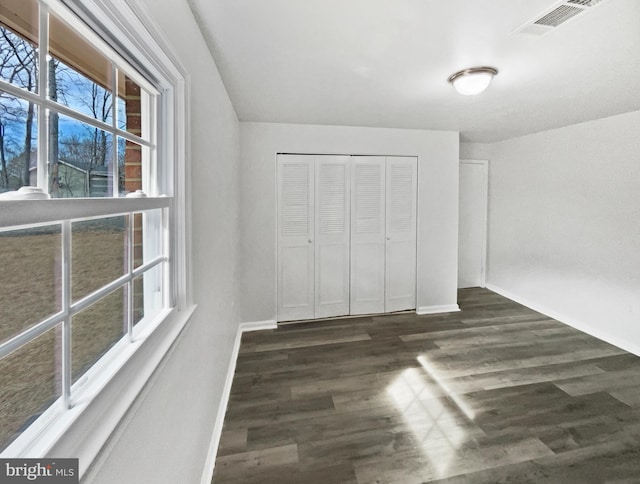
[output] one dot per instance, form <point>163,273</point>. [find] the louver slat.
<point>332,199</point>
<point>295,198</point>
<point>368,194</point>
<point>401,216</point>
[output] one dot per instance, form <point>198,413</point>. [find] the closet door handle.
<point>310,241</point>
<point>388,237</point>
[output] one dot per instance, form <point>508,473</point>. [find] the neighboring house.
<point>77,179</point>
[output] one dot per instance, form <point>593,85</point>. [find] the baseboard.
<point>210,463</point>
<point>258,325</point>
<point>568,320</point>
<point>447,308</point>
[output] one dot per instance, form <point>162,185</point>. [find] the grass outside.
<point>30,291</point>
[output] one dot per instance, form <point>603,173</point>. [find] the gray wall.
<point>166,437</point>
<point>564,230</point>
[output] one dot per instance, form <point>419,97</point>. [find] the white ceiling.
<point>385,63</point>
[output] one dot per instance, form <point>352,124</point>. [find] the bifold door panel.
<point>367,234</point>
<point>332,236</point>
<point>400,261</point>
<point>346,235</point>
<point>296,256</point>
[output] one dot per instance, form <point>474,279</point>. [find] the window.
<point>90,249</point>
<point>95,115</point>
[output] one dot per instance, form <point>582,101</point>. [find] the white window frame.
<point>81,429</point>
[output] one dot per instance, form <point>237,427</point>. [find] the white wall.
<point>166,437</point>
<point>437,153</point>
<point>475,151</point>
<point>564,224</point>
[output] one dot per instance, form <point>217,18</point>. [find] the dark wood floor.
<point>494,393</point>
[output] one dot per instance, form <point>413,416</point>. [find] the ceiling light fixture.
<point>472,81</point>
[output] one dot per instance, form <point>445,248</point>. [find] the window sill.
<point>102,397</point>
<point>24,212</point>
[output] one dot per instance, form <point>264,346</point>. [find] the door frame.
<point>485,212</point>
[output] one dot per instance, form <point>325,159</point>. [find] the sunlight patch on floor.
<point>436,428</point>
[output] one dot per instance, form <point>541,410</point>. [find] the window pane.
<point>147,294</point>
<point>130,159</point>
<point>97,254</point>
<point>122,113</point>
<point>80,77</point>
<point>71,88</point>
<point>147,236</point>
<point>18,143</point>
<point>133,107</point>
<point>30,280</point>
<point>138,238</point>
<point>81,158</point>
<point>29,383</point>
<point>19,42</point>
<point>95,330</point>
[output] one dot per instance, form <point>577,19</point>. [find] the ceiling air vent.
<point>586,3</point>
<point>558,16</point>
<point>559,13</point>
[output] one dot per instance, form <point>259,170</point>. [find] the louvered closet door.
<point>400,264</point>
<point>367,234</point>
<point>332,209</point>
<point>295,237</point>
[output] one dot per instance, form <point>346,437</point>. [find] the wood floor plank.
<point>629,395</point>
<point>608,381</point>
<point>494,393</point>
<point>277,345</point>
<point>242,466</point>
<point>233,441</point>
